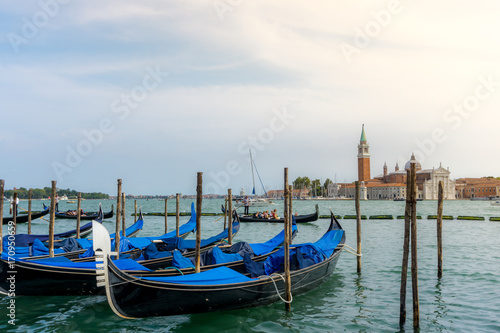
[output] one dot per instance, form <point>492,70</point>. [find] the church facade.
<point>392,185</point>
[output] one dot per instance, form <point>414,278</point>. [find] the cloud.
<point>228,72</point>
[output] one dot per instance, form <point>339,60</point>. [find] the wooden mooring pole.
<point>123,215</point>
<point>52,218</point>
<point>135,211</point>
<point>118,217</point>
<point>1,212</point>
<point>358,228</point>
<point>230,222</point>
<point>290,213</point>
<point>414,264</point>
<point>199,197</point>
<point>14,212</point>
<point>30,197</point>
<point>177,212</point>
<point>225,214</point>
<point>286,264</point>
<point>440,230</point>
<point>406,250</point>
<point>78,214</point>
<point>166,213</point>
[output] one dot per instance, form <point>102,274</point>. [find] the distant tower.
<point>385,169</point>
<point>397,167</point>
<point>363,158</point>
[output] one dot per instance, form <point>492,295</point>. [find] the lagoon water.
<point>465,299</point>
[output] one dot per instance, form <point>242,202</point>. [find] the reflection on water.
<point>440,309</point>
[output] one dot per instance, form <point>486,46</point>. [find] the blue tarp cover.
<point>303,255</point>
<point>142,242</point>
<point>220,257</point>
<point>278,240</point>
<point>133,228</point>
<point>190,244</point>
<point>38,249</point>
<point>25,240</point>
<point>216,276</point>
<point>84,242</point>
<point>151,252</point>
<point>123,264</point>
<point>129,265</point>
<point>178,261</point>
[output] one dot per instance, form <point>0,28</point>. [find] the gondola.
<point>221,288</point>
<point>128,244</point>
<point>35,247</point>
<point>87,216</point>
<point>160,255</point>
<point>222,255</point>
<point>23,218</point>
<point>24,241</point>
<point>299,218</point>
<point>58,275</point>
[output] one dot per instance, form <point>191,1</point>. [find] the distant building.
<point>363,158</point>
<point>393,185</point>
<point>296,193</point>
<point>471,188</point>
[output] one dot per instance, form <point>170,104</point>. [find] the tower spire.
<point>363,157</point>
<point>363,135</point>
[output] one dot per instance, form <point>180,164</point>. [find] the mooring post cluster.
<point>410,232</point>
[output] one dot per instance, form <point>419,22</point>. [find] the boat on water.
<point>495,203</point>
<point>61,275</point>
<point>23,218</point>
<point>35,247</point>
<point>221,288</point>
<point>253,200</point>
<point>24,241</point>
<point>71,214</point>
<point>298,218</point>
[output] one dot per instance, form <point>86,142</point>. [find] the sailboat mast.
<point>253,177</point>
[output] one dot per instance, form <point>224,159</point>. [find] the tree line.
<point>44,193</point>
<point>317,189</point>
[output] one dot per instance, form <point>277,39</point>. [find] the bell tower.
<point>363,158</point>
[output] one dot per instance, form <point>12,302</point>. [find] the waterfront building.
<point>478,188</point>
<point>392,185</point>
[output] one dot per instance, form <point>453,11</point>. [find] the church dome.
<point>413,160</point>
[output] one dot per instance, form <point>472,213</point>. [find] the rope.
<point>276,287</point>
<point>171,267</point>
<point>350,250</point>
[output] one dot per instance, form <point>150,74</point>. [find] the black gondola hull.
<point>139,298</point>
<point>90,216</point>
<point>24,217</point>
<point>34,280</point>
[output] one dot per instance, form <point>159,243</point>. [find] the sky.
<point>152,92</point>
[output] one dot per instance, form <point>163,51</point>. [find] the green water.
<point>466,299</point>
